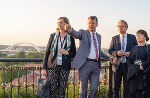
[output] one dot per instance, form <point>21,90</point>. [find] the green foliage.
<point>71,89</point>
<point>35,55</point>
<point>1,77</point>
<point>22,92</point>
<point>21,54</point>
<point>2,55</point>
<point>15,74</point>
<point>101,93</point>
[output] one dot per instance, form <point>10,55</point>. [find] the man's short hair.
<point>93,17</point>
<point>124,22</point>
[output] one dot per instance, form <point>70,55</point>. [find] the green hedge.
<point>22,92</point>
<point>103,92</point>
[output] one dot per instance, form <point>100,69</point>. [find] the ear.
<point>97,24</point>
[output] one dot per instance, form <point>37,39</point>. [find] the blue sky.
<point>34,20</point>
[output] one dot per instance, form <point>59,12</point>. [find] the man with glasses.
<point>120,48</point>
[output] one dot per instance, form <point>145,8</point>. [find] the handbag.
<point>43,90</point>
<point>133,71</point>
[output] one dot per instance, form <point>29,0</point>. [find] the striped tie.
<point>123,49</point>
<point>95,45</point>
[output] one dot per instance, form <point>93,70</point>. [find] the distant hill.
<point>3,47</point>
<point>24,47</point>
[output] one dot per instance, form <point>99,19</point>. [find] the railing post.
<point>110,80</point>
<point>105,81</point>
<point>33,83</point>
<point>26,85</point>
<point>40,72</point>
<point>4,85</point>
<point>11,83</point>
<point>18,81</point>
<point>74,83</point>
<point>99,89</point>
<point>67,89</point>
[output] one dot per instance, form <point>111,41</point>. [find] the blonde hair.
<point>65,19</point>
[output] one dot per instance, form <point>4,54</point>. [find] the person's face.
<point>140,38</point>
<point>121,28</point>
<point>60,24</point>
<point>92,24</point>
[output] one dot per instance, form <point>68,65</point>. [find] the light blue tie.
<point>123,49</point>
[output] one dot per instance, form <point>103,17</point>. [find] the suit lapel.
<point>89,37</point>
<point>119,42</point>
<point>99,43</point>
<point>128,41</point>
<point>99,40</point>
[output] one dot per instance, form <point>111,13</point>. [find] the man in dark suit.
<point>87,58</point>
<point>120,48</point>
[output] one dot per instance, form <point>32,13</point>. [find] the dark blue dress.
<point>142,53</point>
<point>138,84</point>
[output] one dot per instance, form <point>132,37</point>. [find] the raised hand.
<point>110,59</point>
<point>68,28</point>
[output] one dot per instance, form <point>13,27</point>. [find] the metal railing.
<point>105,83</point>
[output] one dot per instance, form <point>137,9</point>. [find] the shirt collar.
<point>124,35</point>
<point>92,32</point>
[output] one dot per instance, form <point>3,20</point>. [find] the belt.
<point>123,63</point>
<point>94,60</point>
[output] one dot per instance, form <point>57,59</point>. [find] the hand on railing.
<point>110,59</point>
<point>44,74</point>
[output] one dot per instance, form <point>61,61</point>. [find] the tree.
<point>35,55</point>
<point>21,54</point>
<point>14,73</point>
<point>2,55</point>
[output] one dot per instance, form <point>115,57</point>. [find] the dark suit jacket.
<point>116,46</point>
<point>49,62</point>
<point>84,48</point>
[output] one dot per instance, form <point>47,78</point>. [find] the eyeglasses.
<point>121,26</point>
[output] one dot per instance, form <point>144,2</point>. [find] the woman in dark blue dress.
<point>139,84</point>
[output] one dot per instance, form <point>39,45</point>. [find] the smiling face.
<point>121,28</point>
<point>92,24</point>
<point>60,24</point>
<point>140,37</point>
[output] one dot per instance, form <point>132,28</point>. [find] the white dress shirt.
<point>92,54</point>
<point>59,55</point>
